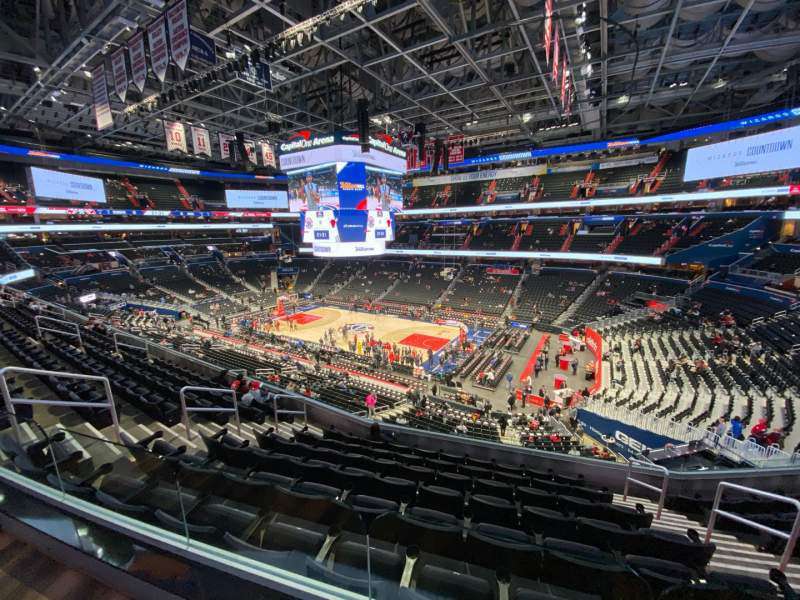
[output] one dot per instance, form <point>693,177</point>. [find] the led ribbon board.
<point>572,256</point>
<point>785,190</point>
<point>50,227</point>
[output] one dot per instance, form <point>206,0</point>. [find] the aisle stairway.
<point>731,556</point>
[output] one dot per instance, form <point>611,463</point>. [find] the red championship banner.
<point>268,155</point>
<point>564,78</point>
<point>548,28</point>
<point>176,136</point>
<point>159,53</point>
<point>119,73</point>
<point>556,54</point>
<point>179,41</point>
<point>226,142</point>
<point>100,104</point>
<point>427,158</point>
<point>455,148</point>
<point>201,141</point>
<point>138,60</point>
<point>411,158</point>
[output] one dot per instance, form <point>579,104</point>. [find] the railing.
<point>118,344</point>
<point>738,450</point>
<point>11,402</point>
<point>662,491</point>
<point>790,537</point>
<point>39,328</point>
<point>185,410</point>
<point>277,411</point>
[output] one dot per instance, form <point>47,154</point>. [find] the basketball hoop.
<point>284,302</point>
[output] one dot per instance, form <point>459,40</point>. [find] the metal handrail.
<point>117,343</point>
<point>186,410</point>
<point>277,412</point>
<point>10,402</point>
<point>790,537</point>
<point>662,491</point>
<point>77,333</point>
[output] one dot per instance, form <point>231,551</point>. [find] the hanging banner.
<point>176,136</point>
<point>268,155</point>
<point>564,77</point>
<point>411,158</point>
<point>159,53</point>
<point>226,142</point>
<point>101,106</point>
<point>455,148</point>
<point>119,73</point>
<point>555,55</point>
<point>138,60</point>
<point>202,48</point>
<point>548,28</point>
<point>178,25</point>
<point>201,141</point>
<point>250,151</point>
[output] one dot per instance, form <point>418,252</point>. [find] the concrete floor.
<point>545,379</point>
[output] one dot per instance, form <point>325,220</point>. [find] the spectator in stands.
<point>759,430</point>
<point>511,400</point>
<point>370,402</point>
<point>774,437</point>
<point>503,423</point>
<point>735,430</point>
<point>720,427</point>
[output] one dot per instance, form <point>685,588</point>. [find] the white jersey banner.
<point>268,155</point>
<point>250,150</point>
<point>176,136</point>
<point>225,144</point>
<point>159,53</point>
<point>179,42</point>
<point>119,73</point>
<point>101,106</point>
<point>138,60</point>
<point>777,150</point>
<point>201,141</point>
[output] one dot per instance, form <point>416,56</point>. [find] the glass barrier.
<point>356,517</point>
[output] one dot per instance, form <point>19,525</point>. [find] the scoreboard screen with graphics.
<point>346,232</point>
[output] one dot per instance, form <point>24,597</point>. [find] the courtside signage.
<point>772,151</point>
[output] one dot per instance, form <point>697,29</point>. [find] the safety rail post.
<point>39,329</point>
<point>118,344</point>
<point>277,412</point>
<point>10,402</point>
<point>790,537</point>
<point>185,410</point>
<point>662,491</point>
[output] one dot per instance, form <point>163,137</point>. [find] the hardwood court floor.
<point>418,335</point>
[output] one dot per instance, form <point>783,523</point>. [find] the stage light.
<point>87,74</point>
<point>719,84</point>
<point>624,99</point>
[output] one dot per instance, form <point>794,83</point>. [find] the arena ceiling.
<point>477,67</point>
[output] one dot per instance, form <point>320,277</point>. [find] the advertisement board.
<point>269,199</point>
<point>777,150</point>
<point>65,186</point>
<point>628,440</point>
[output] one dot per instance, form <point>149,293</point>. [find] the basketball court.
<point>417,335</point>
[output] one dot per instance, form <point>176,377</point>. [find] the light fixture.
<point>37,69</point>
<point>526,117</point>
<point>3,108</point>
<point>683,83</point>
<point>719,84</point>
<point>87,73</point>
<point>624,99</point>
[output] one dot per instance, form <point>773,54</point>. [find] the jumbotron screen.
<point>350,185</point>
<point>347,232</point>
